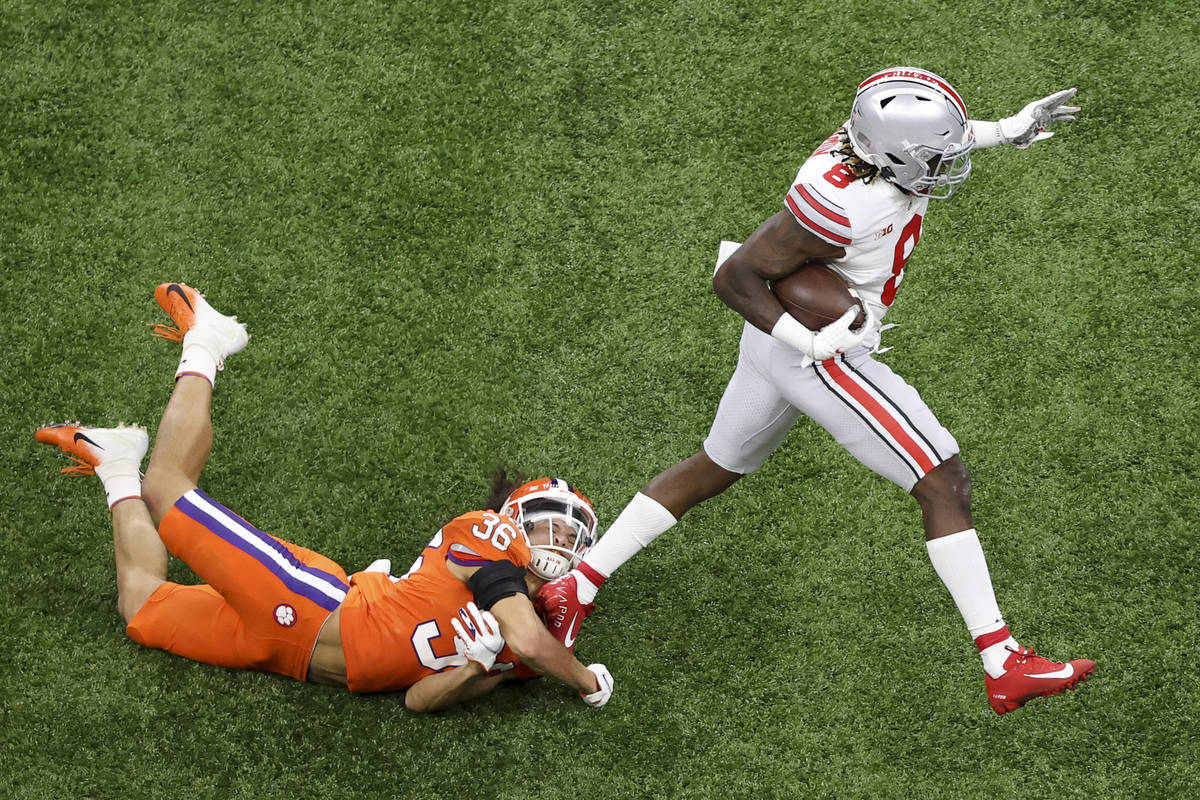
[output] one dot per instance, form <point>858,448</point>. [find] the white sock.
<point>639,524</point>
<point>995,655</point>
<point>121,479</point>
<point>196,360</point>
<point>959,562</point>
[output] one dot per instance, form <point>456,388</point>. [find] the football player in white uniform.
<point>856,204</point>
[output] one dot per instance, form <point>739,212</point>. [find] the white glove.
<point>1029,124</point>
<point>834,338</point>
<point>480,641</point>
<point>383,565</point>
<point>605,681</point>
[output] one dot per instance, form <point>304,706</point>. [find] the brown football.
<point>816,295</point>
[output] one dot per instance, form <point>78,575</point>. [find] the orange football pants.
<point>263,602</point>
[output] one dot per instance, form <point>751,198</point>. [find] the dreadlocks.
<point>861,169</point>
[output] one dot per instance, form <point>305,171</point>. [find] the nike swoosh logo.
<point>572,633</point>
<point>1066,672</point>
<point>174,287</point>
<point>80,436</point>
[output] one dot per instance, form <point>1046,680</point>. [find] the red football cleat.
<point>558,604</point>
<point>1028,675</point>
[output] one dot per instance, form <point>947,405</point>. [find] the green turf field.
<point>466,235</point>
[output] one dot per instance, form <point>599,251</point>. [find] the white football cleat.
<point>198,323</point>
<point>97,450</point>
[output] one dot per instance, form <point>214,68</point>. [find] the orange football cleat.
<point>179,301</point>
<point>195,319</point>
<point>91,447</point>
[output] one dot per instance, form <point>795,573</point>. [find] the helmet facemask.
<point>562,514</point>
<point>946,169</point>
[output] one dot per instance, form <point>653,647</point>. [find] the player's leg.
<point>115,456</point>
<point>140,556</point>
<point>279,593</point>
<point>752,419</point>
<point>181,446</point>
<point>282,593</point>
<point>886,425</point>
<point>185,435</point>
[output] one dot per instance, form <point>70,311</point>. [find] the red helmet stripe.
<point>911,73</point>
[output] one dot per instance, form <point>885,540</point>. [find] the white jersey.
<point>875,222</point>
<point>867,407</point>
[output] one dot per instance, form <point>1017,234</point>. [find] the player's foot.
<point>94,447</point>
<point>1028,675</point>
<point>559,605</point>
<point>196,322</point>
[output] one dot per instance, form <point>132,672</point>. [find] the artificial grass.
<point>466,236</point>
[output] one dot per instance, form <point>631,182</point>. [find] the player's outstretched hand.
<point>604,680</point>
<point>478,638</point>
<point>1029,124</point>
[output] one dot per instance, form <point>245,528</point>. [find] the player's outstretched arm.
<point>1028,125</point>
<point>526,634</point>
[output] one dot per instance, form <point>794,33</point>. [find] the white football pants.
<point>869,409</point>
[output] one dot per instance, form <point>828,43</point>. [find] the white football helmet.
<point>913,126</point>
<point>572,523</point>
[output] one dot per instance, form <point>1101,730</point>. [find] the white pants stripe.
<point>309,581</point>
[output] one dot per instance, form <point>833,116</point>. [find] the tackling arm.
<point>450,688</point>
<point>526,634</point>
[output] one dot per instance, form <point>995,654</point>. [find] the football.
<point>816,295</point>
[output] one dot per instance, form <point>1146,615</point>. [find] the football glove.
<point>836,337</point>
<point>478,638</point>
<point>383,565</point>
<point>605,681</point>
<point>1029,124</point>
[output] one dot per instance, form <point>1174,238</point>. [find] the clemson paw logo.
<point>285,615</point>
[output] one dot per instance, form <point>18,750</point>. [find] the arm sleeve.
<point>818,214</point>
<point>495,581</point>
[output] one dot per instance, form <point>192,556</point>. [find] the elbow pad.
<point>495,581</point>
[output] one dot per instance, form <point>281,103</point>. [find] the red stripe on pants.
<point>879,413</point>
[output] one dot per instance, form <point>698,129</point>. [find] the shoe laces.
<point>81,467</point>
<point>1026,655</point>
<point>164,331</point>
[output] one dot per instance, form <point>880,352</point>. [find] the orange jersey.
<point>395,633</point>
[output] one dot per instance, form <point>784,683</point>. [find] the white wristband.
<point>789,331</point>
<point>987,134</point>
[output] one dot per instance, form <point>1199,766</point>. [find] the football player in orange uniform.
<point>458,624</point>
